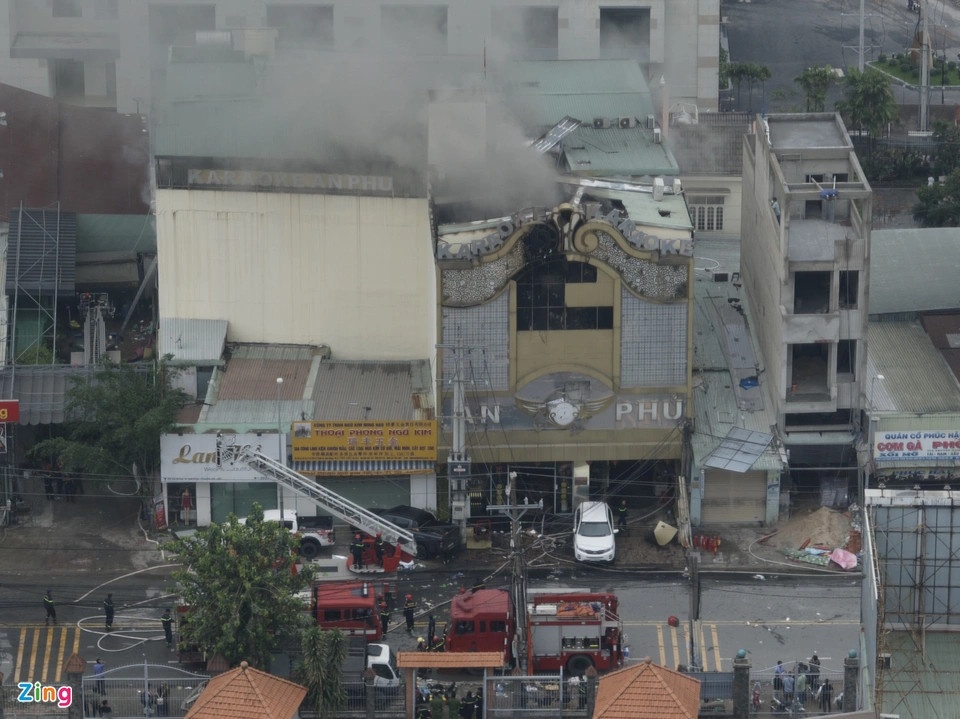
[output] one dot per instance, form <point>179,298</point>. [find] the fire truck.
<point>350,607</point>
<point>570,631</point>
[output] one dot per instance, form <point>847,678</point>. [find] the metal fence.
<point>534,696</point>
<point>140,691</point>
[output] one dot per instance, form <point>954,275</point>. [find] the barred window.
<point>707,211</point>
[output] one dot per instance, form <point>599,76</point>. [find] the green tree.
<point>947,136</point>
<point>815,81</point>
<point>238,582</point>
<point>939,205</point>
<point>868,102</point>
<point>116,418</point>
<point>322,669</point>
<point>749,73</point>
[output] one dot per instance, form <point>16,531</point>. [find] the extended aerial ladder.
<point>229,453</point>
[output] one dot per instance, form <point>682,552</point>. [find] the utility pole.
<point>458,460</point>
<point>924,69</point>
<point>518,566</point>
<point>695,663</point>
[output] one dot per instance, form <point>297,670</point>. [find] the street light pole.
<point>283,521</point>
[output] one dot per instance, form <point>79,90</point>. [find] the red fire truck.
<point>572,631</point>
<point>350,607</point>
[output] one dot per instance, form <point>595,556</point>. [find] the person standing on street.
<point>50,607</point>
<point>108,613</point>
<point>384,618</point>
<point>167,621</point>
<point>98,669</point>
<point>622,514</point>
<point>826,696</point>
<point>408,609</point>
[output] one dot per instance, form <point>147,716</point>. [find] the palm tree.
<point>868,102</point>
<point>815,81</point>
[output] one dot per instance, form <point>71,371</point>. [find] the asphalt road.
<point>788,36</point>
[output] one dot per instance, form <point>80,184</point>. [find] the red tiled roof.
<point>647,691</point>
<point>247,693</point>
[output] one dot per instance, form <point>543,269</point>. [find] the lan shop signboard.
<point>365,440</point>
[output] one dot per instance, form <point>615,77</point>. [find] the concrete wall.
<point>355,273</point>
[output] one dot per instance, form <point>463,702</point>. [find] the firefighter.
<point>467,706</point>
<point>384,617</point>
<point>437,644</point>
<point>421,644</point>
<point>408,609</point>
<point>357,550</point>
<point>378,546</point>
<point>622,514</point>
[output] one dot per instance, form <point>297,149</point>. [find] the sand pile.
<point>823,526</point>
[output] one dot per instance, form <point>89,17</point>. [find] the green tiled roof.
<point>615,152</point>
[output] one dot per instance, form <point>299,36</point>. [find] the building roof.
<point>244,392</point>
<point>916,379</point>
<point>670,213</point>
<point>923,680</point>
<point>617,152</point>
<point>914,270</point>
<point>712,146</point>
<point>647,691</point>
<point>540,93</point>
<point>723,355</point>
<point>192,341</point>
<point>807,131</point>
<point>944,331</point>
<point>247,693</point>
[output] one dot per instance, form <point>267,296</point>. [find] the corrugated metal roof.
<point>192,340</point>
<point>923,681</point>
<point>670,212</point>
<point>116,233</point>
<point>714,399</point>
<point>244,393</point>
<point>714,146</point>
<point>617,152</point>
<point>373,390</point>
<point>541,93</point>
<point>914,270</point>
<point>915,376</point>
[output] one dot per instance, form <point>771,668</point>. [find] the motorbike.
<point>777,706</point>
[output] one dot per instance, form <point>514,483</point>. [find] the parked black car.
<point>435,540</point>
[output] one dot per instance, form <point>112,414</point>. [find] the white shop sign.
<point>193,457</point>
<point>917,444</point>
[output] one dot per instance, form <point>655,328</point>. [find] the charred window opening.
<point>808,372</point>
<point>811,293</point>
<point>625,33</point>
<point>302,25</point>
<point>541,298</point>
<point>849,289</point>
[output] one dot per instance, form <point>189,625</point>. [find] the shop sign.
<point>353,184</point>
<point>365,440</point>
<point>9,410</point>
<point>917,444</point>
<point>193,457</point>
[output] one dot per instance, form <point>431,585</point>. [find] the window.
<point>331,615</point>
<point>625,33</point>
<point>849,289</point>
<point>66,8</point>
<point>847,357</point>
<point>706,212</point>
<point>498,625</point>
<point>464,627</point>
<point>302,25</point>
<point>541,298</point>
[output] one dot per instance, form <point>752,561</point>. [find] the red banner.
<point>9,410</point>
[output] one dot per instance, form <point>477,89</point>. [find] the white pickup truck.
<point>315,531</point>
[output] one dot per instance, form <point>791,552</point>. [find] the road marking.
<point>663,649</point>
<point>716,646</point>
<point>703,648</point>
<point>23,643</point>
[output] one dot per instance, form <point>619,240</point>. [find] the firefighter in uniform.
<point>408,609</point>
<point>437,645</point>
<point>384,617</point>
<point>356,549</point>
<point>378,546</point>
<point>622,514</point>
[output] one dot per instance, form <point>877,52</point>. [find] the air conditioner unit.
<point>601,123</point>
<point>651,122</point>
<point>658,189</point>
<point>626,122</point>
<point>884,660</point>
<point>657,137</point>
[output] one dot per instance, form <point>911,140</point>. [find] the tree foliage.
<point>238,582</point>
<point>815,81</point>
<point>868,102</point>
<point>939,205</point>
<point>947,158</point>
<point>116,418</point>
<point>321,671</point>
<point>750,73</point>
